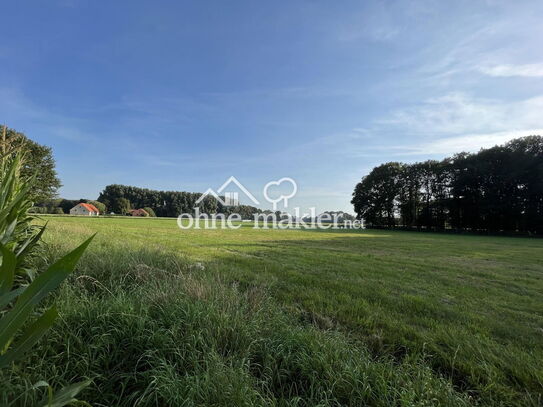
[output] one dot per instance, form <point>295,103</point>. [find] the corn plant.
<point>22,292</point>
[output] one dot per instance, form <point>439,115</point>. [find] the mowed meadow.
<point>158,316</point>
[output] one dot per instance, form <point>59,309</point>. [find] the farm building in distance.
<point>84,209</point>
<point>138,212</point>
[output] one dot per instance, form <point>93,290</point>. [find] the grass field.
<point>157,316</point>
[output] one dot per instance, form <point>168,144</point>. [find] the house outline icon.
<point>228,196</point>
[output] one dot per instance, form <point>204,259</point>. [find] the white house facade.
<point>84,209</point>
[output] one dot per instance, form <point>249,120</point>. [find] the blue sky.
<point>181,95</point>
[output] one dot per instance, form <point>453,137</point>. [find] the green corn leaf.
<point>61,269</point>
<point>29,337</point>
<point>14,203</point>
<point>65,396</point>
<point>29,244</point>
<point>8,181</point>
<point>5,299</point>
<point>6,236</point>
<point>36,291</point>
<point>7,269</point>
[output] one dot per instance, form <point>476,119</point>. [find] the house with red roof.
<point>84,209</point>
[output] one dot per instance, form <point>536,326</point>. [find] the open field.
<point>160,316</point>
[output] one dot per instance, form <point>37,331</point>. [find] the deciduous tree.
<point>39,162</point>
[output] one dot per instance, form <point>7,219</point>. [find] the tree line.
<point>120,198</point>
<point>498,189</point>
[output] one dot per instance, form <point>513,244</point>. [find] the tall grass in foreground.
<point>153,331</point>
<point>20,293</point>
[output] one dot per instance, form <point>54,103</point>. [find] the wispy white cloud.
<point>459,113</point>
<point>467,143</point>
<point>442,126</point>
<point>497,46</point>
<point>526,70</point>
<point>438,146</point>
<point>376,24</point>
<point>458,122</point>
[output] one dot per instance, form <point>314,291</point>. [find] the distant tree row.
<point>496,189</point>
<point>121,198</point>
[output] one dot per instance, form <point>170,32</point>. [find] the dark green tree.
<point>376,196</point>
<point>38,160</point>
<point>122,206</point>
